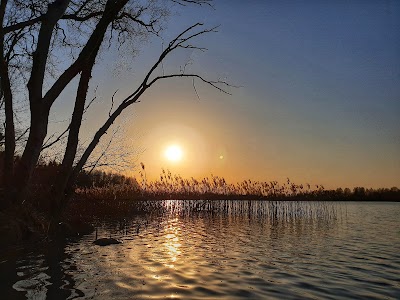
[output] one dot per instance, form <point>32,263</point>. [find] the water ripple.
<point>229,256</point>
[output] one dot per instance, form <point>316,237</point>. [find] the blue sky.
<point>318,99</point>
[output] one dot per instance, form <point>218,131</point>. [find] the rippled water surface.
<point>312,251</point>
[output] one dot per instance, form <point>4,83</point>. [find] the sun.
<point>173,153</point>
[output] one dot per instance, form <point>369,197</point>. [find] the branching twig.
<point>194,87</point>
<point>198,2</point>
<point>21,135</point>
<point>112,103</point>
<point>59,138</point>
<point>212,83</point>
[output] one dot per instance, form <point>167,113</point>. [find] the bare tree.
<point>30,32</point>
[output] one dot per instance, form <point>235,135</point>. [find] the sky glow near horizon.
<point>318,102</point>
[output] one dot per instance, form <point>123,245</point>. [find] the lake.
<point>222,250</point>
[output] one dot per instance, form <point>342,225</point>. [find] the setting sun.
<point>173,153</point>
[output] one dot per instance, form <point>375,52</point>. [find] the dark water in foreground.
<point>315,251</point>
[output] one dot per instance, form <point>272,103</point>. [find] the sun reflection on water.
<point>171,243</point>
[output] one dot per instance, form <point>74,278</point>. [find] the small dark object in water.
<point>106,242</point>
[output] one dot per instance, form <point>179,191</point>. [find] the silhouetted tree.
<point>30,33</point>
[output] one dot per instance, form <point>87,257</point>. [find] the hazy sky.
<point>318,102</point>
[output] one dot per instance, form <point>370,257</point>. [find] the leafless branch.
<point>177,42</point>
<point>62,135</point>
<point>89,104</point>
<point>112,103</point>
<point>195,90</point>
<point>102,154</point>
<point>198,2</point>
<point>18,138</point>
<point>48,144</point>
<point>33,21</point>
<point>214,84</point>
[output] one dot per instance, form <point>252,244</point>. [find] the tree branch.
<point>198,2</point>
<point>212,83</point>
<point>35,83</point>
<point>23,24</point>
<point>61,136</point>
<point>33,21</point>
<point>174,44</point>
<point>96,38</point>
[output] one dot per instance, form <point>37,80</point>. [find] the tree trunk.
<point>27,164</point>
<point>63,188</point>
<point>39,110</point>
<point>58,191</point>
<point>9,132</point>
<point>6,93</point>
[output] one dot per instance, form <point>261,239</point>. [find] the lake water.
<point>244,251</point>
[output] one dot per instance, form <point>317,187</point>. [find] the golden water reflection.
<point>229,257</point>
<point>171,244</point>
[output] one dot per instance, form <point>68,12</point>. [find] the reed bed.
<point>282,210</point>
<point>249,209</point>
<point>214,195</point>
<point>275,214</point>
<point>210,194</point>
<point>170,186</point>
